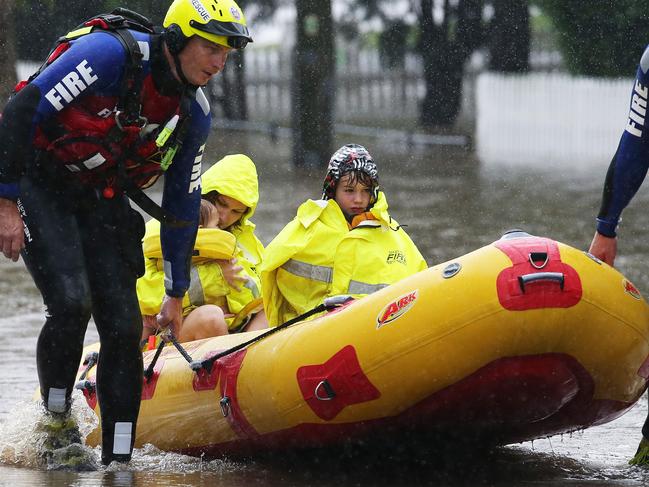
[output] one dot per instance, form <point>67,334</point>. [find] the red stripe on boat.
<point>205,380</point>
<point>91,395</point>
<point>148,386</point>
<point>229,368</point>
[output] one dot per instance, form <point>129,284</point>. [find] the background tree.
<point>313,90</point>
<point>7,53</point>
<point>41,22</point>
<point>600,37</point>
<point>229,89</point>
<point>393,44</point>
<point>509,36</point>
<point>446,42</point>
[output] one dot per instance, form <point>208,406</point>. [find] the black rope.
<point>149,370</point>
<point>208,363</point>
<point>181,349</point>
<point>196,365</point>
<point>91,360</point>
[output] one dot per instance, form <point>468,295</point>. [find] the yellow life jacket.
<point>207,283</point>
<point>317,255</point>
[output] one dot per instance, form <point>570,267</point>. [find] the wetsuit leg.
<point>645,426</point>
<point>54,258</point>
<point>111,234</point>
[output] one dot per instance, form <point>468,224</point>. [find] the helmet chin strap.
<point>179,70</point>
<point>175,56</point>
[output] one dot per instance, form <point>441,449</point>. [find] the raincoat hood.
<point>234,176</point>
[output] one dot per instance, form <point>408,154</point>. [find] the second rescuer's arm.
<point>181,198</point>
<point>627,169</point>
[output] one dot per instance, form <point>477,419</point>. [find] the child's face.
<point>230,211</point>
<point>352,197</point>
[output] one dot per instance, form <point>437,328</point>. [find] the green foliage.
<point>600,37</point>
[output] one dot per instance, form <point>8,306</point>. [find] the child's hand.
<point>231,273</point>
<point>209,216</point>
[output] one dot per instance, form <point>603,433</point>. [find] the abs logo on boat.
<point>396,308</point>
<point>631,289</point>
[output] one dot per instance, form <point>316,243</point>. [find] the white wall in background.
<point>548,118</point>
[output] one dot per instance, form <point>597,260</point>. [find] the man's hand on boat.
<point>12,239</point>
<point>171,315</point>
<point>232,273</point>
<point>604,248</point>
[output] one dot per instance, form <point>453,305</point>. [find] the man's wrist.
<point>607,227</point>
<point>170,293</point>
<point>9,191</point>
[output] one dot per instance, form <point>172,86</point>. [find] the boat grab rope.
<point>149,370</point>
<point>89,361</point>
<point>166,337</point>
<point>329,304</point>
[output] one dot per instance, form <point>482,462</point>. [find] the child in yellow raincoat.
<point>344,243</point>
<point>225,291</point>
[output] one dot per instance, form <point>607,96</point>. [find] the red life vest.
<point>91,146</point>
<point>103,140</point>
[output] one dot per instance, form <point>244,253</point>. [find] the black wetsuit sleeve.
<point>628,168</point>
<point>15,137</point>
<point>181,198</point>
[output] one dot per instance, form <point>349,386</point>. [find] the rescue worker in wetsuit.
<point>344,243</point>
<point>623,179</point>
<point>111,109</point>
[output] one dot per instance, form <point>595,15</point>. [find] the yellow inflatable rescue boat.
<point>521,339</point>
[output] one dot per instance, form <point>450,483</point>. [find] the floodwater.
<point>451,204</point>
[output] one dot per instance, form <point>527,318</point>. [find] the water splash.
<point>22,442</point>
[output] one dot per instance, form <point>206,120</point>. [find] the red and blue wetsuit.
<point>82,241</point>
<point>631,160</point>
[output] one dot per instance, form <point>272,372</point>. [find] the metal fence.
<point>366,91</point>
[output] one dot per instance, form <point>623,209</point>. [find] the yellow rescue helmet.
<point>218,21</point>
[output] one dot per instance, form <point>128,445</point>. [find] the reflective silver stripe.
<point>94,161</point>
<point>56,400</point>
<point>144,49</point>
<point>122,438</point>
<point>195,291</point>
<point>166,267</point>
<point>357,287</point>
<point>254,289</point>
<point>202,101</point>
<point>309,271</point>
